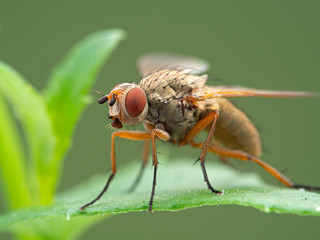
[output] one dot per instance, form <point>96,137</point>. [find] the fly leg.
<point>133,135</point>
<point>225,160</point>
<point>163,135</point>
<point>145,156</point>
<point>211,117</point>
<point>243,156</point>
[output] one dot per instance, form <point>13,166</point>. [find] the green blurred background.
<point>260,44</point>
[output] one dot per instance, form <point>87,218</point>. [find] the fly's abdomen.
<point>235,130</point>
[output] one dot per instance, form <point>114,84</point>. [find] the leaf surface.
<point>179,186</point>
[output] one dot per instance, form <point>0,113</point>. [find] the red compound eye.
<point>135,102</point>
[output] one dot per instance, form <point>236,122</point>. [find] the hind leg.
<point>240,155</point>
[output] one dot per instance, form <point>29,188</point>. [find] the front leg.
<point>163,135</point>
<point>133,135</point>
<point>149,127</point>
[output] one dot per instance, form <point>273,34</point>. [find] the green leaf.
<point>66,93</point>
<point>53,228</point>
<point>12,162</point>
<point>179,186</point>
<point>48,124</point>
<point>31,112</point>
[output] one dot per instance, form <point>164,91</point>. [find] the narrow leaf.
<point>32,114</point>
<point>12,162</point>
<point>66,93</point>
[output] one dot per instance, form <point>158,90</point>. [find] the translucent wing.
<point>154,62</point>
<point>225,92</point>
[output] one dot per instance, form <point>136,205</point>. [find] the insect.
<point>175,105</point>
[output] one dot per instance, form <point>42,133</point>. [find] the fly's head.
<point>127,104</point>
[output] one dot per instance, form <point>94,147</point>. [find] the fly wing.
<point>154,62</point>
<point>226,92</point>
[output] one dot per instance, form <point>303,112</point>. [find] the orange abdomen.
<point>235,130</point>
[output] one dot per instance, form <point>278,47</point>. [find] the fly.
<point>175,105</point>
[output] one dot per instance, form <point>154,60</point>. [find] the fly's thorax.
<point>166,85</point>
<point>127,104</point>
<point>165,91</point>
<point>175,117</point>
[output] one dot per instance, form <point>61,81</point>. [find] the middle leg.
<point>212,118</point>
